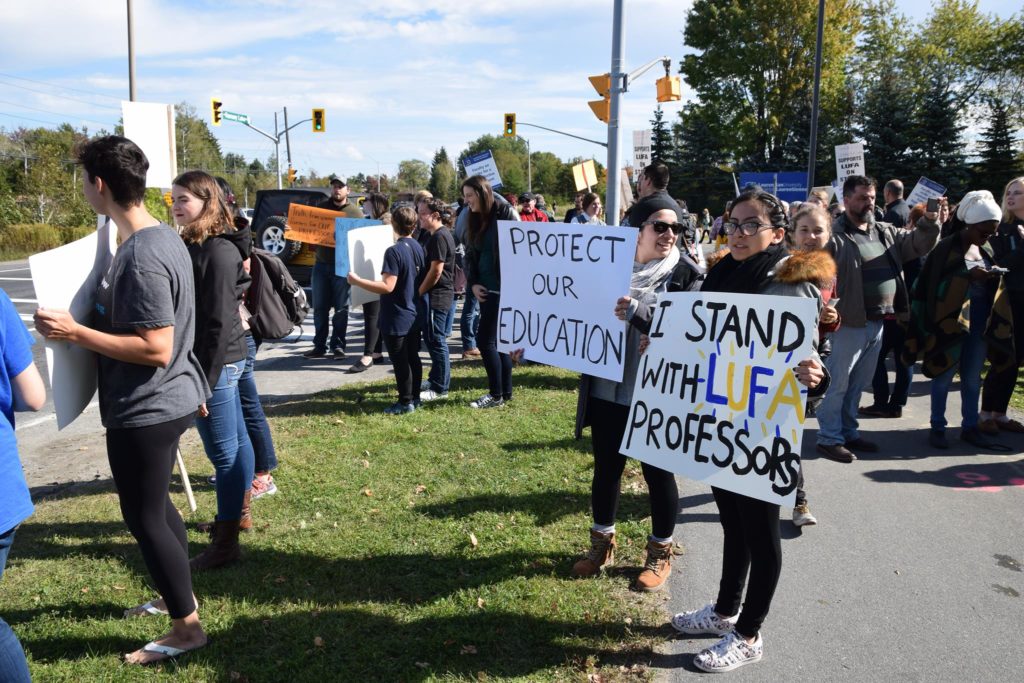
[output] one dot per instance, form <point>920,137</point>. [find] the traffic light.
<point>603,85</point>
<point>510,125</point>
<point>167,199</point>
<point>291,175</point>
<point>318,120</point>
<point>669,89</point>
<point>215,106</point>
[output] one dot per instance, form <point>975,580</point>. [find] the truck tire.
<point>271,237</point>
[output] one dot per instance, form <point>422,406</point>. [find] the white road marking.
<point>24,301</point>
<point>26,279</point>
<point>14,270</point>
<point>48,418</point>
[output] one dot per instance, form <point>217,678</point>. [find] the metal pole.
<point>529,167</point>
<point>812,161</point>
<point>277,151</point>
<point>611,201</point>
<point>131,54</point>
<point>287,138</point>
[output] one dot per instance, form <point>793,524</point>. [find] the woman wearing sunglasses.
<point>604,405</point>
<point>757,263</point>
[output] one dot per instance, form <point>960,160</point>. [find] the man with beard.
<point>869,257</point>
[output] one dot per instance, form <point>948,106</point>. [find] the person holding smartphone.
<point>958,279</point>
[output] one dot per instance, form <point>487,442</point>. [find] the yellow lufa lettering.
<point>741,404</point>
<point>788,392</point>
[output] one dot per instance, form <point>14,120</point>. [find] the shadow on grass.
<point>358,645</point>
<point>567,443</point>
<point>546,507</point>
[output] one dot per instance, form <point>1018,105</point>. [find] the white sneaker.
<point>431,395</point>
<point>487,401</point>
<point>704,621</point>
<point>803,517</point>
<point>731,652</point>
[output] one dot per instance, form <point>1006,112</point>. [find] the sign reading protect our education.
<point>560,282</point>
<point>311,225</point>
<point>716,398</point>
<point>849,161</point>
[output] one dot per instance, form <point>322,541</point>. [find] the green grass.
<point>369,548</point>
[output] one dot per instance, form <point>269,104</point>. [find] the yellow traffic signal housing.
<point>319,120</point>
<point>603,85</point>
<point>291,175</point>
<point>510,125</point>
<point>167,199</point>
<point>669,89</point>
<point>215,106</point>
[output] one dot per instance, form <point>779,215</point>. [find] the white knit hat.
<point>977,207</point>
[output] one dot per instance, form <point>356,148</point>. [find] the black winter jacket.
<point>500,212</point>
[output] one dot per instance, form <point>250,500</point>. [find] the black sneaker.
<point>338,354</point>
<point>937,439</point>
<point>315,353</point>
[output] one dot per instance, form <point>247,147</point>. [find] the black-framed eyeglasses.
<point>747,229</point>
<point>661,226</point>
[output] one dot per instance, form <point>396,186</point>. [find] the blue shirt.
<point>405,260</point>
<point>16,346</point>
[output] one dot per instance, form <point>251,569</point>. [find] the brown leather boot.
<point>245,523</point>
<point>657,567</point>
<point>601,555</point>
<point>223,548</point>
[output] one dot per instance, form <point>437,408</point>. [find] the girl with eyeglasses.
<point>757,263</point>
<point>604,405</point>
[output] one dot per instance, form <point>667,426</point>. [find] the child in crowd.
<point>404,267</point>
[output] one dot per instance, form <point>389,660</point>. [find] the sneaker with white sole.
<point>431,395</point>
<point>263,487</point>
<point>731,652</point>
<point>802,516</point>
<point>703,622</point>
<point>487,401</point>
<point>400,408</point>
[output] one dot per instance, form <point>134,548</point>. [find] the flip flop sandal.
<point>146,610</point>
<point>167,651</point>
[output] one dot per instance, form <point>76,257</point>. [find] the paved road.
<point>914,572</point>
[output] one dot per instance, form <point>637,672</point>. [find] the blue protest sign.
<point>789,186</point>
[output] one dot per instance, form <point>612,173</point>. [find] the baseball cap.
<point>335,179</point>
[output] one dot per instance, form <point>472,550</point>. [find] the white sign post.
<point>483,164</point>
<point>560,285</point>
<point>849,161</point>
<point>716,399</point>
<point>924,190</point>
<point>641,149</point>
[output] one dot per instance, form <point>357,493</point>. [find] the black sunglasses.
<point>661,226</point>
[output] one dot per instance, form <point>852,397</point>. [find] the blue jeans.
<point>469,321</point>
<point>972,359</point>
<point>227,443</point>
<point>851,366</point>
<point>329,291</point>
<point>435,338</point>
<point>252,411</point>
<point>13,667</point>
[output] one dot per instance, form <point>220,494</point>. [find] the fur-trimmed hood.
<point>816,267</point>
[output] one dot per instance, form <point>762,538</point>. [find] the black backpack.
<point>276,302</point>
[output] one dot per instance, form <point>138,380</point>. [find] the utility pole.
<point>529,166</point>
<point>812,161</point>
<point>611,201</point>
<point>131,54</point>
<point>287,140</point>
<point>277,151</point>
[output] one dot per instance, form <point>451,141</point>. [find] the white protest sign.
<point>849,161</point>
<point>151,126</point>
<point>585,175</point>
<point>558,294</point>
<point>366,247</point>
<point>66,278</point>
<point>483,164</point>
<point>641,148</point>
<point>924,190</point>
<point>716,399</point>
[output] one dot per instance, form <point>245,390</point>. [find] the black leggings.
<point>404,351</point>
<point>497,365</point>
<point>999,386</point>
<point>607,425</point>
<point>371,332</point>
<point>141,459</point>
<point>752,544</point>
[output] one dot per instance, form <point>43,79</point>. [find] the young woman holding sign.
<point>658,267</point>
<point>757,263</point>
<point>483,273</point>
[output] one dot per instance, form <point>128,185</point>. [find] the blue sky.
<point>399,78</point>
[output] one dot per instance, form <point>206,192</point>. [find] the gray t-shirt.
<point>149,285</point>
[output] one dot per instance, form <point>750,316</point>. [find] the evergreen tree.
<point>1000,160</point>
<point>886,124</point>
<point>442,176</point>
<point>936,137</point>
<point>661,137</point>
<point>699,151</point>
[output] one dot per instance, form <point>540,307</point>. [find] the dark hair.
<point>215,218</point>
<point>851,184</point>
<point>403,220</point>
<point>441,208</point>
<point>120,163</point>
<point>657,173</point>
<point>588,199</point>
<point>478,222</point>
<point>378,204</point>
<point>773,206</point>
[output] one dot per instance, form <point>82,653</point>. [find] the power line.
<point>63,97</point>
<point>56,113</point>
<point>63,87</point>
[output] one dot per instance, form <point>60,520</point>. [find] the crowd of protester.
<point>936,283</point>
